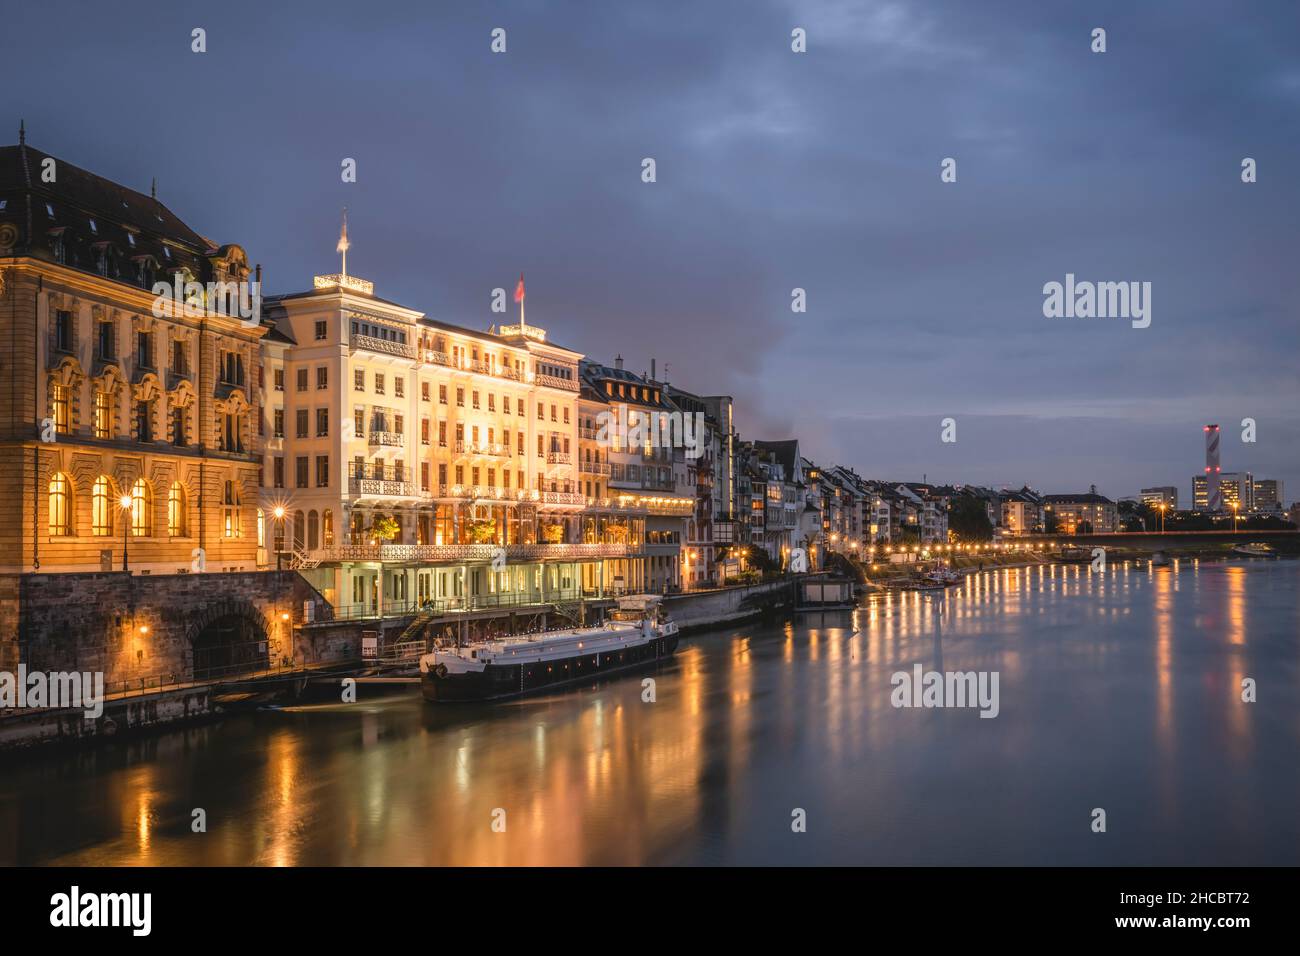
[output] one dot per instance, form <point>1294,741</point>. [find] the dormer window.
<point>167,251</point>
<point>130,239</point>
<point>49,210</point>
<point>94,227</point>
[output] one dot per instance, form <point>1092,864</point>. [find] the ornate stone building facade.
<point>126,427</point>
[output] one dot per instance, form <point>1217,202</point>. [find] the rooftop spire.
<point>22,132</point>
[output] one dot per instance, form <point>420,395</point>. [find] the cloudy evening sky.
<point>775,171</point>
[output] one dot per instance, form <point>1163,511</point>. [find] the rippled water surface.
<point>1118,690</point>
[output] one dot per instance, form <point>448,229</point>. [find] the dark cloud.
<point>775,171</point>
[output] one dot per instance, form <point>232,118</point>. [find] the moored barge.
<point>636,634</point>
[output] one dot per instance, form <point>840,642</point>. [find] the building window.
<point>300,472</point>
<point>302,380</point>
<point>322,422</point>
<point>144,421</point>
<point>144,348</point>
<point>60,505</point>
<point>460,397</point>
<point>180,361</point>
<point>179,438</point>
<point>278,378</point>
<point>322,471</point>
<point>322,377</point>
<point>359,422</point>
<point>105,341</point>
<point>399,387</point>
<point>141,509</point>
<point>101,507</point>
<point>61,408</point>
<point>300,423</point>
<point>379,383</point>
<point>359,380</point>
<point>177,516</point>
<point>424,391</point>
<point>277,427</point>
<point>63,331</point>
<point>442,394</point>
<point>103,415</point>
<point>277,472</point>
<point>321,332</point>
<point>231,525</point>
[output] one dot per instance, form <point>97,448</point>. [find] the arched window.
<point>177,511</point>
<point>299,530</point>
<point>327,528</point>
<point>261,528</point>
<point>102,507</point>
<point>313,531</point>
<point>141,509</point>
<point>60,504</point>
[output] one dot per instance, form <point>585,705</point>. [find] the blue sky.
<point>775,171</point>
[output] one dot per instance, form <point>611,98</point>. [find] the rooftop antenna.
<point>153,188</point>
<point>343,241</point>
<point>22,132</point>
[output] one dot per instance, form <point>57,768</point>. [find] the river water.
<point>1118,690</point>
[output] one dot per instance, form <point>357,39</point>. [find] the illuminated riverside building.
<point>1089,513</point>
<point>634,483</point>
<point>414,461</point>
<point>1235,488</point>
<point>117,421</point>
<point>1166,495</point>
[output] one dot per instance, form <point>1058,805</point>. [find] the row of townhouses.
<point>394,459</point>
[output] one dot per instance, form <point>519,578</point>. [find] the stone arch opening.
<point>228,638</point>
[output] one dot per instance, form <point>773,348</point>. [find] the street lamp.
<point>1163,506</point>
<point>1235,506</point>
<point>279,514</point>
<point>125,503</point>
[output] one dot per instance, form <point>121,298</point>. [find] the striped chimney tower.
<point>1213,496</point>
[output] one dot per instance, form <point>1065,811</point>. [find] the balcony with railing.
<point>594,467</point>
<point>553,381</point>
<point>474,553</point>
<point>386,482</point>
<point>379,436</point>
<point>382,346</point>
<point>554,457</point>
<point>483,448</point>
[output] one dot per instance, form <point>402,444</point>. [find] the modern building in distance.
<point>1269,494</point>
<point>1022,512</point>
<point>1166,495</point>
<point>1235,487</point>
<point>1089,513</point>
<point>126,426</point>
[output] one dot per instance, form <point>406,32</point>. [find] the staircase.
<point>571,612</point>
<point>300,560</point>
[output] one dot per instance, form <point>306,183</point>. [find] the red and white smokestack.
<point>1213,495</point>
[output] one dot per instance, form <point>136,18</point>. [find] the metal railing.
<point>462,604</point>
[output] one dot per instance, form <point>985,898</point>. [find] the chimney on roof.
<point>652,369</point>
<point>259,275</point>
<point>618,361</point>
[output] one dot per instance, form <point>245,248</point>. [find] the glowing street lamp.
<point>279,514</point>
<point>1235,506</point>
<point>125,504</point>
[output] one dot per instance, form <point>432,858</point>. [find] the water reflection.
<point>1119,688</point>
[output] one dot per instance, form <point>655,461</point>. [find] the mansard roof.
<point>87,214</point>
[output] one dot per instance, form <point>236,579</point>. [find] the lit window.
<point>60,505</point>
<point>141,509</point>
<point>176,510</point>
<point>101,507</point>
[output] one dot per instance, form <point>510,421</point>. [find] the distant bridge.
<point>1286,541</point>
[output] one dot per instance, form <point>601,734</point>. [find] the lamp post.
<point>279,514</point>
<point>1163,506</point>
<point>125,503</point>
<point>1235,506</point>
